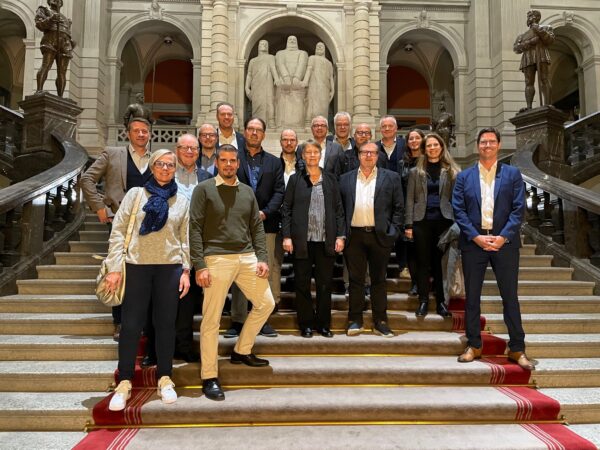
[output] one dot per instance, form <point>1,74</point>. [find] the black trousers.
<point>363,248</point>
<point>323,265</point>
<point>505,264</point>
<point>426,235</point>
<point>146,282</point>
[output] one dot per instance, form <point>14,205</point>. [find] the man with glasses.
<point>489,207</point>
<point>342,126</point>
<point>362,135</point>
<point>121,168</point>
<point>391,145</point>
<point>374,206</point>
<point>332,155</point>
<point>263,173</point>
<point>207,135</point>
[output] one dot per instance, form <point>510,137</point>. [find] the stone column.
<point>196,83</point>
<point>460,115</point>
<point>29,71</point>
<point>383,106</point>
<point>219,75</point>
<point>362,63</point>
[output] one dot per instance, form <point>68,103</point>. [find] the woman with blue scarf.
<point>157,268</point>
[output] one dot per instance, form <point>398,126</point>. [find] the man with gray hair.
<point>333,154</point>
<point>342,126</point>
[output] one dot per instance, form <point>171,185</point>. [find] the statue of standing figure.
<point>444,125</point>
<point>261,80</point>
<point>321,87</point>
<point>137,110</point>
<point>56,44</point>
<point>291,64</point>
<point>533,45</point>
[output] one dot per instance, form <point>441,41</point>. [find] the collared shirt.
<point>289,169</point>
<point>348,145</point>
<point>208,162</point>
<point>487,181</point>
<point>141,162</point>
<point>389,149</point>
<point>322,160</point>
<point>219,181</point>
<point>186,181</point>
<point>231,140</point>
<point>316,213</point>
<point>364,206</point>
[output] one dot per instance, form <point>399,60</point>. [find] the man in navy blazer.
<point>374,206</point>
<point>489,206</point>
<point>264,174</point>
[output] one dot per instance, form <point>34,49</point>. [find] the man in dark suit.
<point>264,174</point>
<point>332,154</point>
<point>391,145</point>
<point>489,205</point>
<point>373,204</point>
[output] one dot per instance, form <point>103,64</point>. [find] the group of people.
<point>219,212</point>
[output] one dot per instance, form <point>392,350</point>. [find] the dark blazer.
<point>388,204</point>
<point>416,196</point>
<point>398,150</point>
<point>294,212</point>
<point>334,157</point>
<point>270,188</point>
<point>509,206</point>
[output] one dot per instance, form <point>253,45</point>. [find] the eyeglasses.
<point>255,130</point>
<point>362,133</point>
<point>368,153</point>
<point>188,148</point>
<point>319,125</point>
<point>207,135</point>
<point>486,143</point>
<point>164,165</point>
<point>289,140</point>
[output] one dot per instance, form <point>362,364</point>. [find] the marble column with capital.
<point>362,62</point>
<point>219,74</point>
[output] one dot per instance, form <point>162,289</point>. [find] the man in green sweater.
<point>227,245</point>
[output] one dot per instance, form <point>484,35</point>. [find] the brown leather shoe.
<point>470,354</point>
<point>521,359</point>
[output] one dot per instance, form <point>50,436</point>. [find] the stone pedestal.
<point>44,114</point>
<point>545,125</point>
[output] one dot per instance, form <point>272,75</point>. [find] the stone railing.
<point>567,214</point>
<point>39,214</point>
<point>11,131</point>
<point>162,135</point>
<point>582,145</point>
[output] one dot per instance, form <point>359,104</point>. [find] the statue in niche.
<point>291,64</point>
<point>261,80</point>
<point>136,110</point>
<point>320,82</point>
<point>56,44</point>
<point>155,10</point>
<point>533,45</point>
<point>444,125</point>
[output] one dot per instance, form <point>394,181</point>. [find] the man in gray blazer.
<point>121,168</point>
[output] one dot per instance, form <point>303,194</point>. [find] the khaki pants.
<point>225,270</point>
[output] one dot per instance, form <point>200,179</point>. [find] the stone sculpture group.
<point>289,88</point>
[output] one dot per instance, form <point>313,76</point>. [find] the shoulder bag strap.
<point>134,211</point>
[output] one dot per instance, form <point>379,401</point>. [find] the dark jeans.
<point>429,257</point>
<point>505,264</point>
<point>159,282</point>
<point>323,264</point>
<point>363,248</point>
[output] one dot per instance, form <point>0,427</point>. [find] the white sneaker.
<point>120,397</point>
<point>165,390</point>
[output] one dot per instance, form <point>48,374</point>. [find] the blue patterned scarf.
<point>157,207</point>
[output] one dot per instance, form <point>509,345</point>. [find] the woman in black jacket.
<point>313,230</point>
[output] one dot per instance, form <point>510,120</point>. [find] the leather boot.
<point>442,310</point>
<point>422,309</point>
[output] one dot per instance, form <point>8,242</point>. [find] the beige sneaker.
<point>166,390</point>
<point>120,397</point>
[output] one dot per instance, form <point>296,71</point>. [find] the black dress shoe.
<point>325,332</point>
<point>188,356</point>
<point>422,309</point>
<point>306,332</point>
<point>212,389</point>
<point>250,360</point>
<point>413,290</point>
<point>148,361</point>
<point>442,310</point>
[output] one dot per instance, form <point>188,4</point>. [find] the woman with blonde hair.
<point>157,265</point>
<point>428,215</point>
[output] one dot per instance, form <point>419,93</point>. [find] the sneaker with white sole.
<point>120,397</point>
<point>166,390</point>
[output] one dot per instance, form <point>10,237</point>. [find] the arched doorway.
<point>565,75</point>
<point>12,58</point>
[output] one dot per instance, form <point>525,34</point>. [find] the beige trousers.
<point>225,270</point>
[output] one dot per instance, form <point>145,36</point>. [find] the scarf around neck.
<point>157,207</point>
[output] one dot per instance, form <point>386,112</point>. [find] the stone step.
<point>359,436</point>
<point>578,405</point>
<point>55,440</point>
<point>561,345</point>
<point>538,273</point>
<point>548,323</point>
<point>91,217</point>
<point>532,304</point>
<point>39,286</point>
<point>84,258</point>
<point>89,246</point>
<point>95,226</point>
<point>528,249</point>
<point>73,304</point>
<point>68,272</point>
<point>56,411</point>
<point>535,260</point>
<point>95,235</point>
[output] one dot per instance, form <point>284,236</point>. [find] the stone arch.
<point>25,14</point>
<point>320,28</point>
<point>581,31</point>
